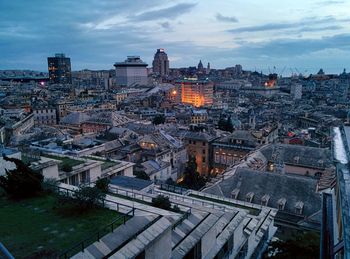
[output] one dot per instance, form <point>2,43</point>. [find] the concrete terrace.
<point>202,224</point>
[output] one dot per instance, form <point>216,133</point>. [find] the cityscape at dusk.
<point>175,129</point>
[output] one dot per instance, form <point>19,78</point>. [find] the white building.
<point>219,228</point>
<point>296,91</point>
<point>82,170</point>
<point>133,71</point>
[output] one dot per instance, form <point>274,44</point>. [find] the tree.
<point>141,175</point>
<point>81,201</point>
<point>229,124</point>
<point>87,197</point>
<point>192,179</point>
<point>305,245</point>
<point>222,123</point>
<point>21,182</point>
<point>161,202</point>
<point>170,181</point>
<point>102,184</point>
<point>158,119</point>
<point>66,167</point>
<point>225,124</point>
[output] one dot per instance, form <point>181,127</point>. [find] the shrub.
<point>2,192</point>
<point>50,185</point>
<point>88,197</point>
<point>66,168</point>
<point>176,208</point>
<point>82,201</point>
<point>102,184</point>
<point>158,119</point>
<point>161,202</point>
<point>142,175</point>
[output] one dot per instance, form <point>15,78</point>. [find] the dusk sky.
<point>301,34</point>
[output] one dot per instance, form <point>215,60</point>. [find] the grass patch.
<point>33,229</point>
<point>27,159</point>
<point>66,161</point>
<point>106,163</point>
<point>252,211</point>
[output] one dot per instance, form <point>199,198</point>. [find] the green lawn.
<point>65,161</point>
<point>31,226</point>
<point>106,163</point>
<point>27,160</point>
<point>252,211</point>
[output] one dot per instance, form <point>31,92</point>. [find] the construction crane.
<point>281,72</point>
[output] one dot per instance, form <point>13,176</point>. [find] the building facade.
<point>45,115</point>
<point>296,91</point>
<point>133,71</point>
<point>195,92</point>
<point>60,71</point>
<point>161,63</point>
<point>232,149</point>
<point>198,144</point>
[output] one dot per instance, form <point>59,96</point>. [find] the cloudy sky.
<point>301,35</point>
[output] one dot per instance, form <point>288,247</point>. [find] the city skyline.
<point>306,36</point>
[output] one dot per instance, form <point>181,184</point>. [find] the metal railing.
<point>105,202</point>
<point>4,253</point>
<point>139,196</point>
<point>173,188</point>
<point>96,236</point>
<point>109,228</point>
<point>183,217</point>
<point>230,200</point>
<point>133,236</point>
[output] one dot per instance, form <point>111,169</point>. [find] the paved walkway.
<point>140,208</point>
<point>123,205</point>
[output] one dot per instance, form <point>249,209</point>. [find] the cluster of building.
<point>263,143</point>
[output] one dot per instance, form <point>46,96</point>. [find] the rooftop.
<point>130,182</point>
<point>131,61</point>
<point>276,186</point>
<point>298,155</point>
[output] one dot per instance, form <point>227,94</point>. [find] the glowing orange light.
<point>174,92</point>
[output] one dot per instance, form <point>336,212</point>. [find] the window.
<point>203,159</point>
<point>203,151</point>
<point>204,143</point>
<point>217,158</point>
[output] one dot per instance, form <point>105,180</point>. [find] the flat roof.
<point>130,182</point>
<point>8,151</point>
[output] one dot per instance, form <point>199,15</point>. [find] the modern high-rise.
<point>296,91</point>
<point>196,92</point>
<point>133,71</point>
<point>161,63</point>
<point>59,69</point>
